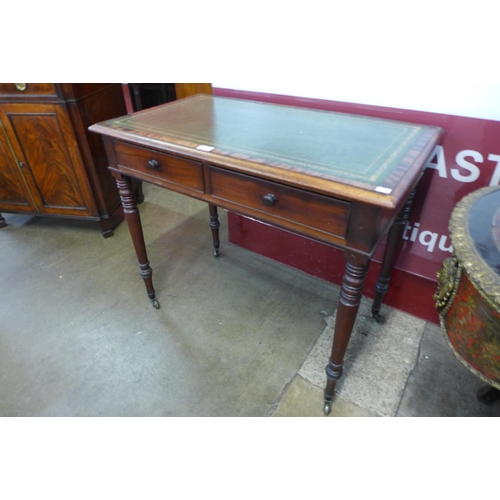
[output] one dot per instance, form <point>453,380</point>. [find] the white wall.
<point>476,100</point>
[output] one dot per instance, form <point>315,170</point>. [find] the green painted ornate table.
<point>341,179</point>
<point>468,298</point>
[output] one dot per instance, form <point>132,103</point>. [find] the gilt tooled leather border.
<point>402,158</point>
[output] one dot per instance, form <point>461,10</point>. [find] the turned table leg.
<point>133,219</point>
<point>391,252</point>
<point>214,226</point>
<point>347,309</point>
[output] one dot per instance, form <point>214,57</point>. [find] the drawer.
<point>160,166</point>
<point>30,89</point>
<point>328,215</point>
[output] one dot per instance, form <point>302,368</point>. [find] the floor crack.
<point>410,373</point>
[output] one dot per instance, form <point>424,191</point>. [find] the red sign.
<point>468,159</point>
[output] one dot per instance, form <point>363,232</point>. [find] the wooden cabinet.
<point>50,164</point>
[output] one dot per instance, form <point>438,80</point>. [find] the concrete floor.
<point>240,335</point>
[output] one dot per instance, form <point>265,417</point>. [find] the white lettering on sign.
<point>468,171</point>
<point>440,164</point>
<point>495,180</point>
<point>473,170</point>
<point>414,232</point>
<point>427,238</point>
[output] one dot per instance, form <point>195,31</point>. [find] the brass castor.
<point>155,303</point>
<point>327,408</point>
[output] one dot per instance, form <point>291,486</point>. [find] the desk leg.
<point>390,255</point>
<point>214,226</point>
<point>347,309</point>
<point>131,212</point>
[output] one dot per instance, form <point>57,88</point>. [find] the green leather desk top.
<point>368,153</point>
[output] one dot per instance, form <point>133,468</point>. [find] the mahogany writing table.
<point>341,179</point>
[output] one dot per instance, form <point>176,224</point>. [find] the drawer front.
<point>278,201</point>
<point>160,166</point>
<point>28,89</point>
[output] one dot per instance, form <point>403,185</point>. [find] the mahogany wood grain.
<point>160,166</point>
<point>291,204</point>
<point>50,164</point>
<point>13,191</point>
<point>214,226</point>
<point>347,309</point>
<point>129,204</point>
<point>394,236</point>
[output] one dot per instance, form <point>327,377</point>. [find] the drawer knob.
<point>269,200</point>
<point>20,86</point>
<point>153,164</point>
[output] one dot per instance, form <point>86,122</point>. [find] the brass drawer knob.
<point>269,200</point>
<point>20,86</point>
<point>153,164</point>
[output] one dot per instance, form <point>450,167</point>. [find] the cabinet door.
<point>42,139</point>
<point>14,194</point>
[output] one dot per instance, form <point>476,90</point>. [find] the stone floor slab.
<point>304,399</point>
<point>378,360</point>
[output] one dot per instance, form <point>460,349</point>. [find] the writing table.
<point>341,179</point>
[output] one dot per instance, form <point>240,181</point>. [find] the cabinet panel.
<point>45,150</point>
<point>43,141</point>
<point>13,192</point>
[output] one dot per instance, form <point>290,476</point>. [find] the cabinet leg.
<point>133,219</point>
<point>2,222</point>
<point>391,252</point>
<point>106,229</point>
<point>214,226</point>
<point>350,297</point>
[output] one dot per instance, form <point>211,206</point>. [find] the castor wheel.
<point>327,408</point>
<point>379,318</point>
<point>216,252</point>
<point>488,395</point>
<point>155,303</point>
